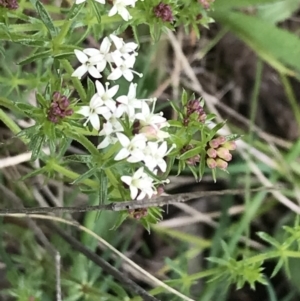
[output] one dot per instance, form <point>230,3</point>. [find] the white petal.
<point>110,104</point>
<point>101,1</point>
<point>124,140</point>
<point>113,11</point>
<point>112,91</point>
<point>105,45</point>
<point>124,13</point>
<point>101,65</point>
<point>122,154</point>
<point>94,119</point>
<point>128,75</point>
<point>101,110</point>
<point>82,57</point>
<point>85,111</point>
<point>131,46</point>
<point>96,101</point>
<point>126,179</point>
<point>91,51</point>
<point>79,1</point>
<point>141,196</point>
<point>104,143</point>
<point>100,88</point>
<point>123,99</point>
<point>117,41</point>
<point>138,174</point>
<point>133,192</point>
<point>116,74</point>
<point>94,72</point>
<point>162,165</point>
<point>80,71</point>
<point>132,91</point>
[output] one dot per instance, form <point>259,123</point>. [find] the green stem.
<point>9,104</point>
<point>84,141</point>
<point>72,175</point>
<point>76,82</point>
<point>10,123</point>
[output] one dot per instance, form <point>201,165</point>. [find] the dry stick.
<point>132,205</point>
<point>135,288</point>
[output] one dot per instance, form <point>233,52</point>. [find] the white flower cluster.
<point>125,113</point>
<point>119,7</point>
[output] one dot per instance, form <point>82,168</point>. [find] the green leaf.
<point>35,144</point>
<point>35,56</point>
<point>266,237</point>
<point>101,176</point>
<point>79,158</point>
<point>41,100</point>
<point>279,48</point>
<point>74,11</point>
<point>45,17</point>
<point>121,218</point>
<point>33,174</point>
<point>90,89</point>
<point>85,175</point>
<point>191,153</point>
<point>277,12</point>
<point>96,10</point>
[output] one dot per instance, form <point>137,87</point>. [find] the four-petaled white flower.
<point>140,185</point>
<point>124,68</point>
<point>147,117</point>
<point>132,149</point>
<point>123,49</point>
<point>129,102</point>
<point>88,64</point>
<point>93,111</point>
<point>107,95</point>
<point>108,131</point>
<point>154,155</point>
<point>119,7</point>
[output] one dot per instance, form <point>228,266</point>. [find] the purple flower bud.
<point>138,213</point>
<point>9,4</point>
<point>69,112</point>
<point>64,102</point>
<point>221,163</point>
<point>56,96</point>
<point>211,152</point>
<point>211,163</point>
<point>164,12</point>
<point>193,106</point>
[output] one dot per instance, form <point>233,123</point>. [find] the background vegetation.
<point>231,247</point>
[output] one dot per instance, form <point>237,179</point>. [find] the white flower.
<point>88,64</point>
<point>113,118</point>
<point>81,1</point>
<point>107,94</point>
<point>132,149</point>
<point>103,52</point>
<point>124,68</point>
<point>129,102</point>
<point>154,155</point>
<point>123,49</point>
<point>120,8</point>
<point>140,183</point>
<point>108,131</point>
<point>147,117</point>
<point>93,111</point>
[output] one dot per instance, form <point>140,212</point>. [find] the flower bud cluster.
<point>192,161</point>
<point>9,4</point>
<point>59,108</point>
<point>194,111</point>
<point>138,213</point>
<point>218,152</point>
<point>164,12</point>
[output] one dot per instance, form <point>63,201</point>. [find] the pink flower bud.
<point>221,139</point>
<point>221,163</point>
<point>211,163</point>
<point>149,131</point>
<point>164,12</point>
<point>230,145</point>
<point>214,143</point>
<point>212,153</point>
<point>223,153</point>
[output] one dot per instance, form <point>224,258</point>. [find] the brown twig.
<point>132,205</point>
